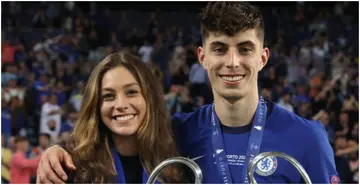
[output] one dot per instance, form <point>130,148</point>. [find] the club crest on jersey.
<point>267,166</point>
<point>335,179</point>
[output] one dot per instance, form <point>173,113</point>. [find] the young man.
<point>22,168</point>
<point>223,137</point>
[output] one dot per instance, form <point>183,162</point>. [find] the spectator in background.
<point>6,127</point>
<point>10,73</point>
<point>353,158</point>
<point>305,54</point>
<point>51,118</point>
<point>342,128</point>
<point>191,53</point>
<point>281,68</point>
<point>77,95</point>
<point>270,79</point>
<point>18,116</point>
<point>304,111</point>
<point>339,64</point>
<point>94,43</point>
<point>41,56</point>
<point>186,102</point>
<point>292,63</point>
<point>341,162</point>
<point>30,105</point>
<point>300,96</point>
<point>59,90</point>
<point>354,134</point>
<point>22,168</point>
<point>350,104</point>
<point>62,76</point>
<point>172,99</point>
<point>42,87</point>
<point>22,73</point>
<point>53,129</point>
<point>287,85</point>
<point>6,155</point>
<point>40,20</point>
<point>13,90</point>
<point>69,123</point>
<point>145,51</point>
<point>11,144</point>
<point>316,83</point>
<point>346,149</point>
<point>178,54</point>
<point>198,81</point>
<point>285,101</point>
<point>44,143</point>
<point>324,118</point>
<point>71,79</point>
<point>354,168</point>
<point>319,51</point>
<point>67,127</point>
<point>179,70</point>
<point>114,41</point>
<point>277,92</point>
<point>160,57</point>
<point>8,52</point>
<point>80,40</point>
<point>84,72</point>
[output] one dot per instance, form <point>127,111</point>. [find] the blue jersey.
<point>284,131</point>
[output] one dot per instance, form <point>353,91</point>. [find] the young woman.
<point>123,131</point>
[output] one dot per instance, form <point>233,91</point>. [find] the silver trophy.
<point>290,159</point>
<point>188,162</point>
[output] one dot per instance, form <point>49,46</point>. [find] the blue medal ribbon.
<point>253,147</point>
<point>120,171</point>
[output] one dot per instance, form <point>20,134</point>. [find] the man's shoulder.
<point>308,129</point>
<point>192,130</point>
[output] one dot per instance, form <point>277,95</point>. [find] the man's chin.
<point>232,96</point>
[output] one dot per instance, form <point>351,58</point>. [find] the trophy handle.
<point>188,162</point>
<point>292,160</point>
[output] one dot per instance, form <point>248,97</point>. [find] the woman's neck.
<point>126,145</point>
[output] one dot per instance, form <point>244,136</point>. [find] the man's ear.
<point>264,58</point>
<point>201,56</point>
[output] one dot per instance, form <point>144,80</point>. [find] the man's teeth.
<point>122,118</point>
<point>232,78</point>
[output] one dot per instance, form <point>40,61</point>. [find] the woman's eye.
<point>107,96</point>
<point>131,92</point>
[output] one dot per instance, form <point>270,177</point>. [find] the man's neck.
<point>126,145</point>
<point>238,113</point>
<point>43,147</point>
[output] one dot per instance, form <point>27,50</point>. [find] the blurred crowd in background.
<point>49,49</point>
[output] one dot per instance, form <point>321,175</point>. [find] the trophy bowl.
<point>188,162</point>
<point>290,159</point>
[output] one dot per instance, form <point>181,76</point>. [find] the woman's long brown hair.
<point>89,144</point>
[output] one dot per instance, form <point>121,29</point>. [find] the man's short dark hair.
<point>45,135</point>
<point>19,139</point>
<point>230,18</point>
